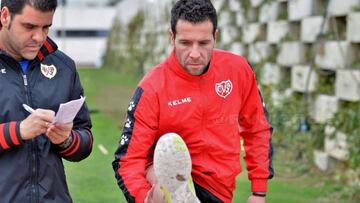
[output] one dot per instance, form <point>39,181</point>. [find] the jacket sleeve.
<point>9,135</point>
<point>256,132</point>
<point>133,154</point>
<point>82,141</point>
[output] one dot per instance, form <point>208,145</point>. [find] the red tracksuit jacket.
<point>210,112</point>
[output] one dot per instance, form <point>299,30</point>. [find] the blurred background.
<point>306,56</point>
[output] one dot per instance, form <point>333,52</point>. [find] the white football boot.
<point>172,167</point>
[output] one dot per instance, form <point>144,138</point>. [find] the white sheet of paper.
<point>68,111</point>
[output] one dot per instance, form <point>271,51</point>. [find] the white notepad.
<point>68,111</point>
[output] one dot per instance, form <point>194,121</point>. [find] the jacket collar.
<point>47,48</point>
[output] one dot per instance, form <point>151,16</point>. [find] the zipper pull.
<point>25,80</point>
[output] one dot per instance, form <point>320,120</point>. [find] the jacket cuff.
<point>17,133</point>
<point>72,147</point>
<point>10,135</point>
<point>259,185</point>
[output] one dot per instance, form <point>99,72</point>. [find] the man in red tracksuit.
<point>210,98</point>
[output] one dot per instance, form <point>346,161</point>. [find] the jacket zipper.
<point>26,88</point>
<point>33,164</point>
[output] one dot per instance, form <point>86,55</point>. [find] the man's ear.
<point>5,17</point>
<point>172,38</point>
<point>216,34</point>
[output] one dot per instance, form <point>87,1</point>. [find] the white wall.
<point>86,51</point>
<point>86,2</point>
<point>84,18</point>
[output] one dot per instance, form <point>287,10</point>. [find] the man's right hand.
<point>155,195</point>
<point>256,199</point>
<point>36,123</point>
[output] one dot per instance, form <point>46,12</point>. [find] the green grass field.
<point>92,180</point>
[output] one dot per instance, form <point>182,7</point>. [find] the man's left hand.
<point>58,133</point>
<point>256,199</point>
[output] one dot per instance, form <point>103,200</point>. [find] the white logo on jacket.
<point>48,71</point>
<point>124,139</point>
<point>179,101</point>
<point>3,70</point>
<point>223,88</point>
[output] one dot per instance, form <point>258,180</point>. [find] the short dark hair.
<point>194,11</point>
<point>16,6</point>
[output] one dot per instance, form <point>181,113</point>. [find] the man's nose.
<point>195,53</point>
<point>39,36</point>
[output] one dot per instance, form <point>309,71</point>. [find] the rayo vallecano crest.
<point>48,71</point>
<point>223,88</point>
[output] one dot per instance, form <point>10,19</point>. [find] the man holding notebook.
<point>35,74</point>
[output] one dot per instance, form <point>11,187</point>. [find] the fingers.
<point>64,127</point>
<point>155,195</point>
<point>41,117</point>
<point>44,124</point>
<point>150,175</point>
<point>158,195</point>
<point>44,114</point>
<point>36,123</point>
<point>58,133</point>
<point>60,129</point>
<point>150,194</point>
<point>54,138</point>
